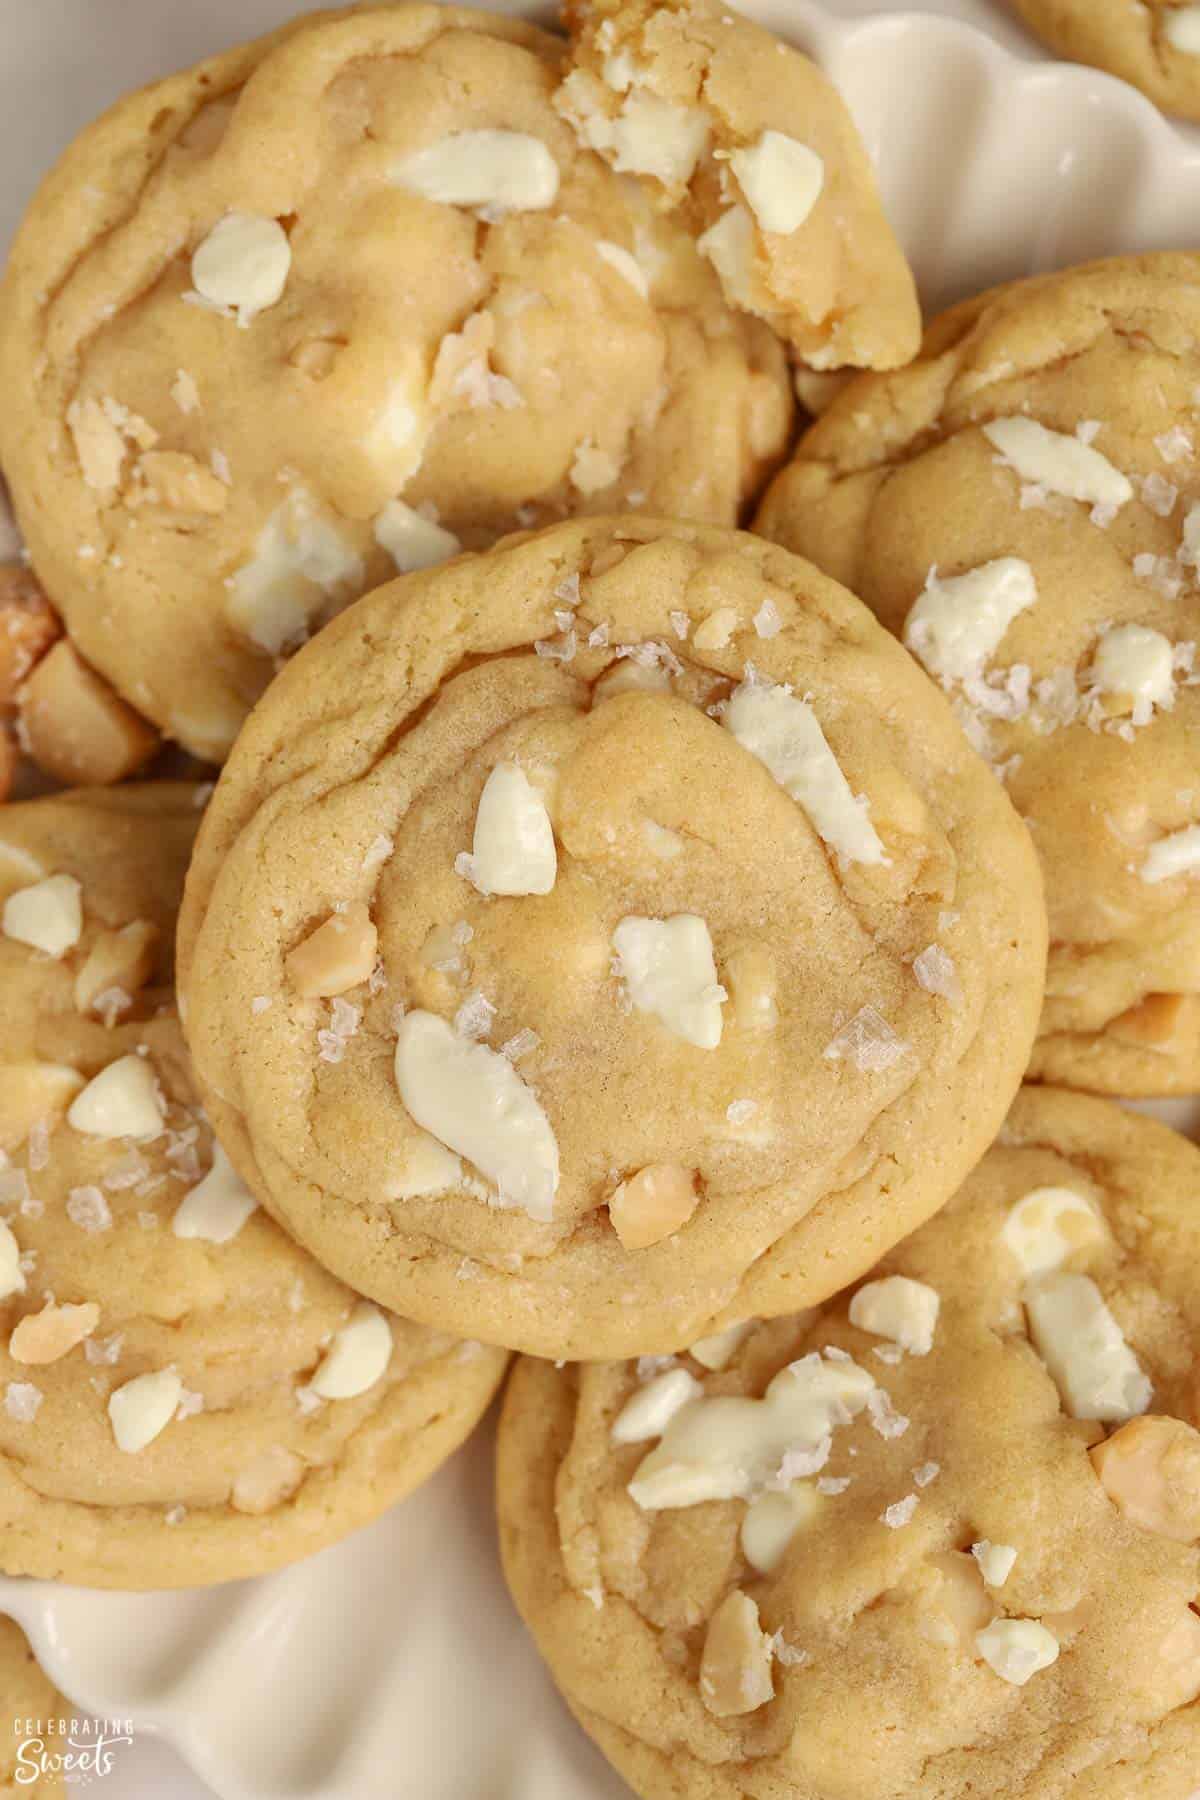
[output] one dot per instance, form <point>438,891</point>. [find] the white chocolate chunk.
<point>1059,462</point>
<point>729,247</point>
<point>144,1407</point>
<point>358,1356</point>
<point>300,563</point>
<point>1176,854</point>
<point>12,1279</point>
<point>122,1101</point>
<point>725,1448</point>
<point>995,1561</point>
<point>781,178</point>
<point>1050,1224</point>
<point>47,916</point>
<point>653,1407</point>
<point>1017,1649</point>
<point>1134,660</point>
<point>411,540</point>
<point>217,1207</point>
<point>1181,28</point>
<point>667,966</point>
<point>507,169</point>
<point>955,626</point>
<point>472,1100</point>
<point>785,735</point>
<point>715,1352</point>
<point>772,1521</point>
<point>649,136</point>
<point>242,264</point>
<point>627,266</point>
<point>513,846</point>
<point>899,1309</point>
<point>1076,1336</point>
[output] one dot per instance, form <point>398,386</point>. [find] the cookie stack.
<point>616,938</point>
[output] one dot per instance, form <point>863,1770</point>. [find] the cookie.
<point>605,938</point>
<point>1155,44</point>
<point>938,1536</point>
<point>32,1722</point>
<point>332,305</point>
<point>185,1395</point>
<point>753,144</point>
<point>1022,506</point>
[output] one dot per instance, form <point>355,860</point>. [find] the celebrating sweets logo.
<point>80,1751</point>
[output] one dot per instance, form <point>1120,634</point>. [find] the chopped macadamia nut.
<point>77,730</point>
<point>715,632</point>
<point>335,957</point>
<point>772,1521</point>
<point>653,1204</point>
<point>627,266</point>
<point>717,1351</point>
<point>897,1308</point>
<point>995,1561</point>
<point>1081,1344</point>
<point>121,959</point>
<point>653,1407</point>
<point>751,979</point>
<point>143,1408</point>
<point>1159,1021</point>
<point>267,1482</point>
<point>33,1094</point>
<point>667,966</point>
<point>28,627</point>
<point>122,1101</point>
<point>956,624</point>
<point>513,847</point>
<point>172,479</point>
<point>301,564</point>
<point>785,735</point>
<point>218,1206</point>
<point>242,265</point>
<point>412,540</point>
<point>358,1356</point>
<point>1017,1649</point>
<point>509,170</point>
<point>1051,1226</point>
<point>45,1336</point>
<point>735,1669</point>
<point>12,1278</point>
<point>1058,462</point>
<point>626,676</point>
<point>593,469</point>
<point>961,1597</point>
<point>1150,1470</point>
<point>781,178</point>
<point>729,247</point>
<point>47,916</point>
<point>649,135</point>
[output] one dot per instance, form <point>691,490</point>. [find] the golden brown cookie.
<point>938,1537</point>
<point>1155,44</point>
<point>607,937</point>
<point>327,306</point>
<point>33,1721</point>
<point>185,1395</point>
<point>1022,507</point>
<point>754,147</point>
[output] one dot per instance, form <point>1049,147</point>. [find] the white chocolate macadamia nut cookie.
<point>332,305</point>
<point>755,148</point>
<point>690,956</point>
<point>1022,507</point>
<point>28,1695</point>
<point>1155,44</point>
<point>816,1561</point>
<point>185,1395</point>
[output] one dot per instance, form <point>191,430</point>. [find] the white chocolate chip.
<point>781,178</point>
<point>513,847</point>
<point>653,1407</point>
<point>1133,660</point>
<point>242,264</point>
<point>358,1356</point>
<point>1181,28</point>
<point>1076,1336</point>
<point>505,169</point>
<point>772,1521</point>
<point>12,1280</point>
<point>412,540</point>
<point>1176,854</point>
<point>472,1100</point>
<point>727,1448</point>
<point>626,265</point>
<point>667,966</point>
<point>1058,462</point>
<point>716,1351</point>
<point>729,247</point>
<point>122,1101</point>
<point>995,1561</point>
<point>1049,1225</point>
<point>955,625</point>
<point>144,1407</point>
<point>901,1310</point>
<point>47,916</point>
<point>1017,1649</point>
<point>300,564</point>
<point>735,1668</point>
<point>218,1206</point>
<point>785,735</point>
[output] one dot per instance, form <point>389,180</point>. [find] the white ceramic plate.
<point>393,1665</point>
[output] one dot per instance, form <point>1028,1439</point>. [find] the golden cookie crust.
<point>256,1471</point>
<point>884,1696</point>
<point>357,782</point>
<point>896,480</point>
<point>1130,41</point>
<point>27,1694</point>
<point>494,368</point>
